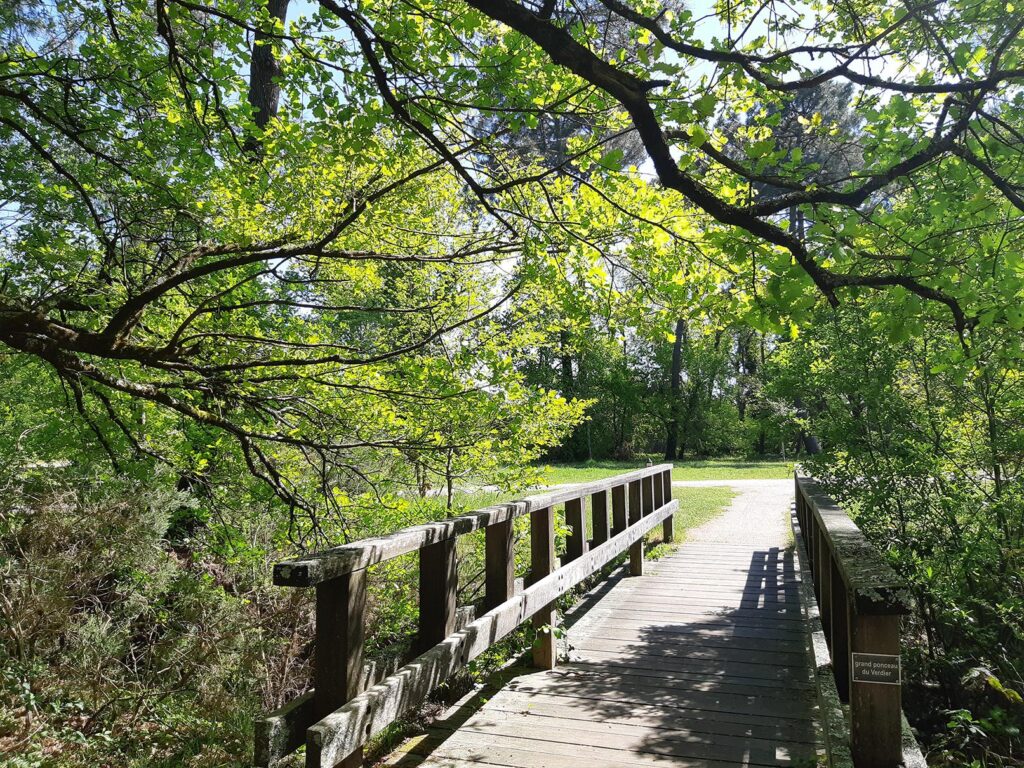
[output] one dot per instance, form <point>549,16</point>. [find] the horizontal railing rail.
<point>350,703</point>
<point>861,601</point>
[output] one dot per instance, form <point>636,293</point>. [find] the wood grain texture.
<point>337,561</point>
<point>702,662</point>
<point>348,728</point>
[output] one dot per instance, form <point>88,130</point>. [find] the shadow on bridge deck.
<point>701,662</point>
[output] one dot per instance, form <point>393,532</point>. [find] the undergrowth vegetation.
<point>130,636</point>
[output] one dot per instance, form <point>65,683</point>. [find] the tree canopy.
<point>239,213</point>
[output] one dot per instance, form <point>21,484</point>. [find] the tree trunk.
<point>264,93</point>
<point>565,359</point>
<point>810,442</point>
<point>675,383</point>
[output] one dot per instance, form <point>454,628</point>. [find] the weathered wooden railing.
<point>861,601</point>
<point>346,707</point>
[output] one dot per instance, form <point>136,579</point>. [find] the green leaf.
<point>705,105</point>
<point>612,159</point>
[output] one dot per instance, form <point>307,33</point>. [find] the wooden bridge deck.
<point>703,661</point>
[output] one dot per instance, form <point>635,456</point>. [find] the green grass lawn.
<point>697,469</point>
<point>696,507</point>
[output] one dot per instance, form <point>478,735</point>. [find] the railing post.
<point>647,484</point>
<point>499,563</point>
<point>619,521</point>
<point>542,559</point>
<point>839,634</point>
<point>875,708</point>
<point>438,585</point>
<point>820,561</point>
<point>636,551</point>
<point>668,526</point>
<point>798,498</point>
<point>825,580</point>
<point>811,536</point>
<point>576,542</point>
<point>599,516</point>
<point>338,650</point>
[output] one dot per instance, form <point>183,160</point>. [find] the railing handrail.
<point>352,725</point>
<point>861,601</point>
<point>869,578</point>
<point>340,713</point>
<point>310,570</point>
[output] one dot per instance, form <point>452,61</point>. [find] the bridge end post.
<point>542,563</point>
<point>875,706</point>
<point>576,543</point>
<point>667,527</point>
<point>619,521</point>
<point>636,511</point>
<point>338,650</point>
<point>499,563</point>
<point>599,517</point>
<point>438,586</point>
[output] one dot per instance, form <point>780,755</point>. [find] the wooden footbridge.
<point>722,653</point>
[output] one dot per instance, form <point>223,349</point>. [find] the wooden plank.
<point>668,526</point>
<point>338,650</point>
<point>496,749</point>
<point>281,732</point>
<point>438,590</point>
<point>542,563</point>
<point>669,650</point>
<point>599,517</point>
<point>499,564</point>
<point>576,542</point>
<point>875,708</point>
<point>711,667</point>
<point>631,740</point>
<point>308,571</point>
<point>582,672</point>
<point>349,727</point>
<point>635,501</point>
<point>696,621</point>
<point>655,637</point>
<point>693,680</point>
<point>700,701</point>
<point>693,722</point>
<point>840,635</point>
<point>565,701</point>
<point>870,580</point>
<point>636,552</point>
<point>692,584</point>
<point>619,518</point>
<point>722,603</point>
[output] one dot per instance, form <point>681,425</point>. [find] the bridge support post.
<point>618,509</point>
<point>875,708</point>
<point>338,651</point>
<point>667,527</point>
<point>576,542</point>
<point>542,559</point>
<point>636,551</point>
<point>839,633</point>
<point>599,517</point>
<point>499,564</point>
<point>823,578</point>
<point>439,581</point>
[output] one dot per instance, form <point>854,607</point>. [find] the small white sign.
<point>876,668</point>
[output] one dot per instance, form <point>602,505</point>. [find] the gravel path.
<point>758,514</point>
